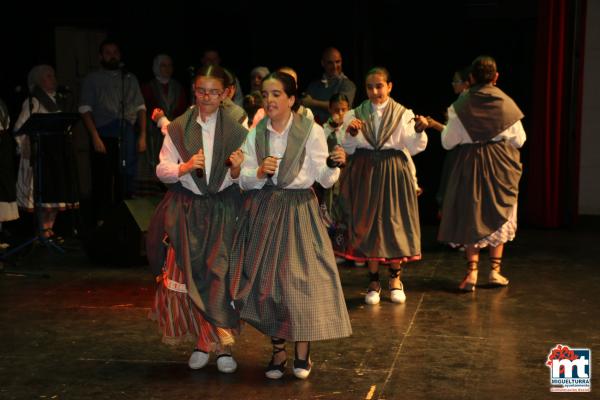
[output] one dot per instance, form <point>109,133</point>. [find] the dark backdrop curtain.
<point>552,158</point>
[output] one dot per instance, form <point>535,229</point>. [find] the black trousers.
<point>113,175</point>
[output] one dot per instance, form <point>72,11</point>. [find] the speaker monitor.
<point>121,240</point>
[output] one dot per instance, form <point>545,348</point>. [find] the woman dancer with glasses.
<point>191,231</point>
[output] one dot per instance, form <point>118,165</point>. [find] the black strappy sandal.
<point>276,371</point>
<point>302,368</point>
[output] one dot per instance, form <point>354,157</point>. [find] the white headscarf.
<point>156,67</point>
<point>34,78</point>
<point>260,71</point>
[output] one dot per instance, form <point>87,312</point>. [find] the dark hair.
<point>483,69</point>
<point>463,73</point>
<point>379,70</point>
<point>338,97</point>
<point>252,102</point>
<point>289,85</point>
<point>106,42</point>
<point>230,78</point>
<point>213,71</point>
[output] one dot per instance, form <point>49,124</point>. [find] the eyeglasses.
<point>210,92</point>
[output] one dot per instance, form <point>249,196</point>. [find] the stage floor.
<point>74,330</point>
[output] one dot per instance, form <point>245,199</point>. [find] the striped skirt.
<point>481,198</point>
<point>381,201</point>
<point>178,318</point>
<point>199,232</point>
<point>283,272</point>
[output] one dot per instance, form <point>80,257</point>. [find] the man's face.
<point>110,56</point>
<point>332,63</point>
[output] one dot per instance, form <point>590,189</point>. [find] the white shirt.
<point>404,138</point>
<point>313,168</point>
<point>168,168</point>
<point>36,108</point>
<point>455,133</point>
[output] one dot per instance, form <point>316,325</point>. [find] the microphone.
<point>122,68</point>
<point>192,70</point>
<point>331,144</point>
<point>200,172</point>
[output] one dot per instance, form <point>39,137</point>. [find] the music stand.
<point>35,127</point>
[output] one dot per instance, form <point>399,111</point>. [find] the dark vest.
<point>186,134</point>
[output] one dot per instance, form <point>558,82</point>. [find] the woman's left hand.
<point>235,159</point>
<point>338,155</point>
<point>420,123</point>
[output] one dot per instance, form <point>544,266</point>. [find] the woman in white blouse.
<point>381,192</point>
<point>200,160</point>
<point>284,273</point>
<point>480,203</point>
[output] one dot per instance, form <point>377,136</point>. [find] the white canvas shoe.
<point>198,359</point>
<point>226,363</point>
<point>373,297</point>
<point>397,295</point>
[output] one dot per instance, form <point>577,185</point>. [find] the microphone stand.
<point>121,141</point>
<point>35,134</point>
<point>192,71</point>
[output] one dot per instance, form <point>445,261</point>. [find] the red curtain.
<point>552,168</point>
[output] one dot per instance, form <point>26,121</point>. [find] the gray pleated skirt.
<point>283,272</point>
<point>482,191</point>
<point>381,201</point>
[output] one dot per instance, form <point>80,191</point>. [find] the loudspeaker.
<point>121,240</point>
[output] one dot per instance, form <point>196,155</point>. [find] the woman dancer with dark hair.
<point>284,275</point>
<point>480,202</point>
